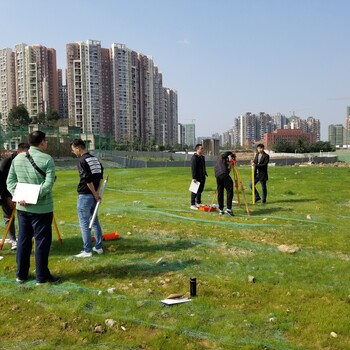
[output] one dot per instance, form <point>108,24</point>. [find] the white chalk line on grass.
<point>231,223</point>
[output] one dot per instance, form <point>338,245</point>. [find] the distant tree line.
<point>302,145</point>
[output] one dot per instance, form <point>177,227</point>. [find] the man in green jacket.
<point>34,220</point>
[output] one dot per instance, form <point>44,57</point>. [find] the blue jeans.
<point>86,206</point>
<point>38,226</point>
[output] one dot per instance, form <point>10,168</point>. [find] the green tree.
<point>52,117</point>
<point>282,146</point>
<point>40,118</point>
<point>18,116</point>
<point>301,145</point>
<point>324,146</point>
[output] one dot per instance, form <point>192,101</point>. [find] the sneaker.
<point>221,212</point>
<point>83,254</point>
<point>51,279</point>
<point>13,245</point>
<point>19,280</point>
<point>97,250</point>
<point>229,212</point>
<point>257,199</point>
<point>193,207</point>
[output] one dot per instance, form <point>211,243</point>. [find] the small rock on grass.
<point>251,279</point>
<point>288,249</point>
<point>109,322</point>
<point>99,329</point>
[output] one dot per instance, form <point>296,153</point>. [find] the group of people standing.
<point>222,169</point>
<point>31,165</point>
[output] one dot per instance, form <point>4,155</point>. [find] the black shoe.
<point>257,199</point>
<point>263,203</point>
<point>229,212</point>
<point>221,212</point>
<point>51,279</point>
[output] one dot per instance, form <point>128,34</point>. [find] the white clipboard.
<point>194,186</point>
<point>26,192</point>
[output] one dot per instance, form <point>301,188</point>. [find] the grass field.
<point>250,295</point>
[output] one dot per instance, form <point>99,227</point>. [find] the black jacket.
<point>221,166</point>
<point>5,166</point>
<point>199,171</point>
<point>90,170</point>
<point>261,167</point>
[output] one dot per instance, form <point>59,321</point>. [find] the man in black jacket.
<point>260,162</point>
<point>224,181</point>
<point>6,198</point>
<point>199,173</point>
<point>91,175</point>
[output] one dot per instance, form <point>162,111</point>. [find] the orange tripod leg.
<point>7,228</point>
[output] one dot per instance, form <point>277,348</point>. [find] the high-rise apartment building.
<point>347,120</point>
<point>336,134</point>
<point>107,100</point>
<point>170,114</point>
<point>125,94</point>
<point>119,91</point>
<point>190,134</point>
<point>7,84</point>
<point>160,115</point>
<point>314,125</point>
<point>84,83</point>
<point>147,122</point>
<point>36,78</point>
<point>62,96</point>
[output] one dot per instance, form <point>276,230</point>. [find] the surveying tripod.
<point>10,222</point>
<point>238,182</point>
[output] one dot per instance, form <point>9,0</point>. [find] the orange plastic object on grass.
<point>207,208</point>
<point>108,236</point>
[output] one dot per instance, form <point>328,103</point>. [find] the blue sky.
<point>224,57</point>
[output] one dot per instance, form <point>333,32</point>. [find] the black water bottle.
<point>193,286</point>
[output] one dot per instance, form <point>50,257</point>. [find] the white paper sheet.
<point>26,192</point>
<point>194,186</point>
<point>175,301</point>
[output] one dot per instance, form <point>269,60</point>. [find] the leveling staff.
<point>91,175</point>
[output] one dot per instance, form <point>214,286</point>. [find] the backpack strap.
<point>30,158</point>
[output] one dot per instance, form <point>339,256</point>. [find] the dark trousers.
<point>224,182</point>
<point>197,197</point>
<point>7,211</point>
<point>263,189</point>
<point>38,226</point>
